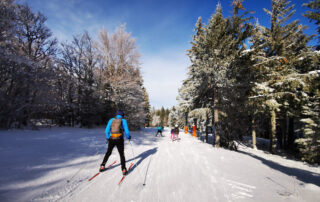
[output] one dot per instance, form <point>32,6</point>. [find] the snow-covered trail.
<point>188,170</point>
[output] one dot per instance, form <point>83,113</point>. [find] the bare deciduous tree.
<point>120,58</point>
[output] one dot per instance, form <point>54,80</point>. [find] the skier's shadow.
<point>142,157</point>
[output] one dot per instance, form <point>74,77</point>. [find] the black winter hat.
<point>120,112</point>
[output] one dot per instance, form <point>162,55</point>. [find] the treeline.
<point>248,79</point>
<point>159,117</point>
<point>82,82</point>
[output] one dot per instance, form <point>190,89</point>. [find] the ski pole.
<point>81,168</point>
<point>145,177</point>
<point>134,158</point>
<point>85,165</point>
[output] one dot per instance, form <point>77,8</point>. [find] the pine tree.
<point>309,143</point>
<point>234,102</point>
<point>214,75</point>
<point>147,107</point>
<point>314,15</point>
<point>162,116</point>
<point>281,51</point>
<point>173,117</point>
<point>189,90</point>
<point>213,65</point>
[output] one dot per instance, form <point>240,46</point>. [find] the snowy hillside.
<point>55,165</point>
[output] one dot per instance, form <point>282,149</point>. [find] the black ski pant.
<point>119,143</point>
<point>159,131</point>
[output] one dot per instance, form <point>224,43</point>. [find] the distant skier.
<point>159,131</point>
<point>114,133</point>
<point>172,132</point>
<point>175,133</point>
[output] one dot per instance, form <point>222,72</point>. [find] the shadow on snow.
<point>27,156</point>
<point>303,175</point>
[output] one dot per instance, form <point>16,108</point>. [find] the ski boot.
<point>124,171</point>
<point>102,168</point>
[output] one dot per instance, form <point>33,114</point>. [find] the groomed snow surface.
<point>55,165</point>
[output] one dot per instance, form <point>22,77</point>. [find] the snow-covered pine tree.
<point>280,49</point>
<point>185,98</point>
<point>314,15</point>
<point>191,87</point>
<point>213,66</point>
<point>189,91</point>
<point>234,95</point>
<point>162,116</point>
<point>309,143</point>
<point>147,107</point>
<point>173,117</point>
<point>214,77</point>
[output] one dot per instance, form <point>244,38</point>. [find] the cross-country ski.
<point>124,176</point>
<point>102,170</point>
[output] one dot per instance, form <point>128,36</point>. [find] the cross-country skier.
<point>114,133</point>
<point>159,131</point>
<point>172,132</point>
<point>175,133</point>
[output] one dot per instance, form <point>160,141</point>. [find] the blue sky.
<point>163,30</point>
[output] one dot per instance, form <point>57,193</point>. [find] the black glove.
<point>129,138</point>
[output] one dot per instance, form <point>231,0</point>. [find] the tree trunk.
<point>254,139</point>
<point>216,118</point>
<point>285,138</point>
<point>290,132</point>
<point>186,119</point>
<point>272,145</point>
<point>282,141</point>
<point>206,137</point>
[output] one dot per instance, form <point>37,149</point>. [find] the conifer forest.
<point>250,80</point>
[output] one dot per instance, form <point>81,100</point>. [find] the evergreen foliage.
<point>147,107</point>
<point>215,79</point>
<point>270,89</point>
<point>309,143</point>
<point>280,52</point>
<point>314,15</point>
<point>160,117</point>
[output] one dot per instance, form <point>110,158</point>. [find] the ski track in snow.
<point>55,165</point>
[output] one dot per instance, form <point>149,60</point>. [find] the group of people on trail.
<point>116,128</point>
<point>174,132</point>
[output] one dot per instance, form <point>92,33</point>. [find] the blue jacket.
<point>124,126</point>
<point>159,128</point>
